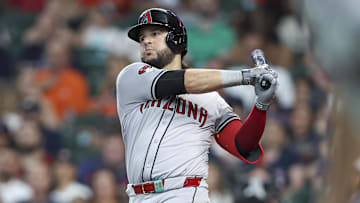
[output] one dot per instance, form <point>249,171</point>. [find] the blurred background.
<point>60,137</point>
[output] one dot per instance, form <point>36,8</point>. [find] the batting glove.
<point>265,96</point>
<point>250,75</point>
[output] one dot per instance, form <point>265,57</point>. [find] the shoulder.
<point>136,70</point>
<point>138,67</point>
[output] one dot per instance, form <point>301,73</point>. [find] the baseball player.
<point>168,114</point>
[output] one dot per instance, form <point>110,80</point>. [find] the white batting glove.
<point>244,76</point>
<point>265,96</point>
<point>250,75</point>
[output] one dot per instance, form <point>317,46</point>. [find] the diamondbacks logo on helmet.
<point>146,18</point>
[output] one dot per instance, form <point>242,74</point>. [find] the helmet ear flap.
<point>170,37</point>
<point>171,42</point>
<point>176,42</point>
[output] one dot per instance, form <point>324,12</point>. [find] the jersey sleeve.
<point>226,139</point>
<point>225,114</point>
<point>136,84</point>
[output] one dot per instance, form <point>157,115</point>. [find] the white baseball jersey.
<point>168,137</point>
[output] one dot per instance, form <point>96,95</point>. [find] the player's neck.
<point>175,64</point>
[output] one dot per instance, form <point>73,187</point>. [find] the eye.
<point>156,33</point>
<point>141,38</point>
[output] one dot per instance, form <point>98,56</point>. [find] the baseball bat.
<point>259,59</point>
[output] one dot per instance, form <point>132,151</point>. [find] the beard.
<point>164,57</point>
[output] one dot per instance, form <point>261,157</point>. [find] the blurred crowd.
<point>60,137</point>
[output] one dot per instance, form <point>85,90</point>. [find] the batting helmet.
<point>176,38</point>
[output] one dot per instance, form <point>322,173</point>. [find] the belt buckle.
<point>143,189</point>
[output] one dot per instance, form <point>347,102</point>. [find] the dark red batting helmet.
<point>177,37</point>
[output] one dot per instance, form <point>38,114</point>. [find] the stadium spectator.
<point>12,188</point>
<point>105,101</point>
<point>38,176</point>
<point>65,87</point>
<point>299,190</point>
<point>112,158</point>
<point>105,188</point>
<point>303,138</point>
<point>218,192</point>
<point>204,28</point>
<point>67,189</point>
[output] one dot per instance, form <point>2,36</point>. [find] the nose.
<point>147,40</point>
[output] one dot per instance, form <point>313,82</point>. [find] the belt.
<point>158,185</point>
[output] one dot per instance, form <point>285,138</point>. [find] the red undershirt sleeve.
<point>242,139</point>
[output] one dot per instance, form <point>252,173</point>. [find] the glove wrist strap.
<point>246,76</point>
<point>262,107</point>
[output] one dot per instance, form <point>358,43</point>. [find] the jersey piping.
<point>227,121</point>
<point>153,95</point>
<point>157,150</point>
<point>147,151</point>
<point>194,194</point>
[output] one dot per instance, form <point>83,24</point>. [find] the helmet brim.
<point>134,31</point>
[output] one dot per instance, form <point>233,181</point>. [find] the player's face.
<point>154,49</point>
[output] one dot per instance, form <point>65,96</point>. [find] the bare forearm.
<point>202,80</point>
<point>197,81</point>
